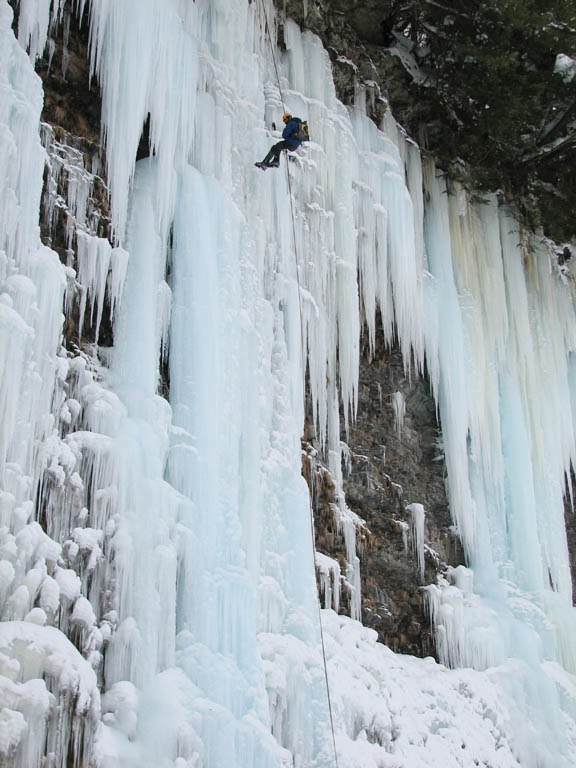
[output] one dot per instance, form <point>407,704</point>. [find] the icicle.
<point>417,515</point>
<point>94,255</point>
<point>329,571</point>
<point>34,19</point>
<point>399,409</point>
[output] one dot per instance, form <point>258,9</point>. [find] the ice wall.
<point>176,549</point>
<point>48,689</point>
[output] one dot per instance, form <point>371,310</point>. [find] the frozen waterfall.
<point>157,585</point>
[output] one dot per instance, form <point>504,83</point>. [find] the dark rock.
<point>570,517</point>
<point>389,468</point>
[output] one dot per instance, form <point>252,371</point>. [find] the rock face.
<point>394,462</point>
<point>355,35</point>
<point>75,191</point>
<point>570,514</point>
<point>71,96</point>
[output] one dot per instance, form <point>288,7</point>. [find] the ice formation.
<point>399,409</point>
<point>417,518</point>
<point>171,541</point>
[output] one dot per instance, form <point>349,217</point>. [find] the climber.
<point>294,133</point>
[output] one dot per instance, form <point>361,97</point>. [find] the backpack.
<point>303,132</point>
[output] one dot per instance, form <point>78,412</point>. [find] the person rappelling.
<point>294,133</point>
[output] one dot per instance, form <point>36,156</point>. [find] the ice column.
<point>417,515</point>
<point>507,450</point>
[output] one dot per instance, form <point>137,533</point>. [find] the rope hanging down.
<point>269,34</point>
<point>313,537</point>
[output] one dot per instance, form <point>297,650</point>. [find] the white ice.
<point>176,548</point>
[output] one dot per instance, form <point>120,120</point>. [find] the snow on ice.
<point>157,586</point>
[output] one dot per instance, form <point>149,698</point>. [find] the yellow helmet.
<point>286,116</point>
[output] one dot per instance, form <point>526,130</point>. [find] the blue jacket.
<point>288,134</point>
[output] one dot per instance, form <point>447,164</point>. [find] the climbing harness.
<point>302,343</point>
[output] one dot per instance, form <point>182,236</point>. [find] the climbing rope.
<point>273,53</point>
<point>302,342</point>
<point>322,641</point>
